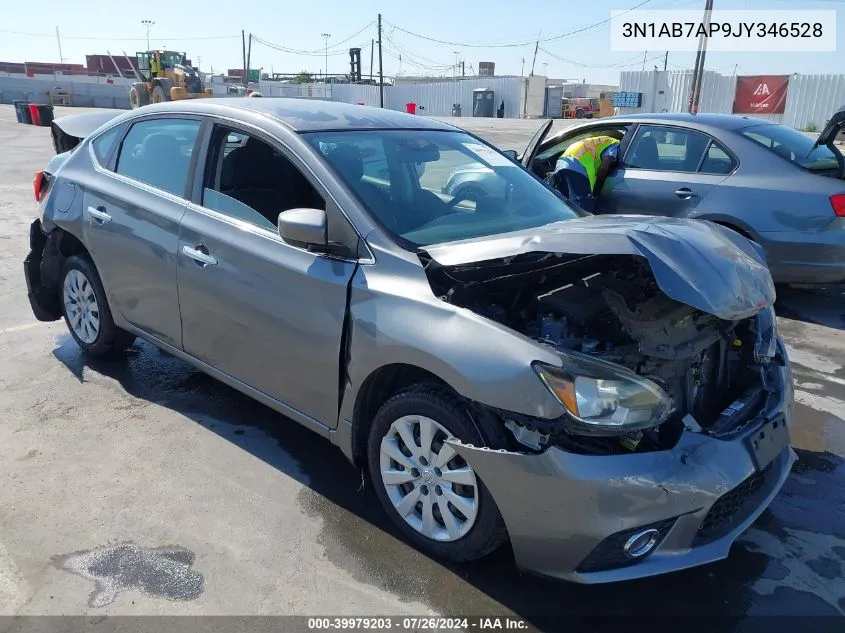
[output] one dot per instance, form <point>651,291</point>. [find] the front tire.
<point>429,492</point>
<point>158,94</point>
<point>86,309</point>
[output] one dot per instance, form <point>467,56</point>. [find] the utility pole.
<point>645,56</point>
<point>326,37</point>
<point>147,24</point>
<point>249,60</point>
<point>372,52</point>
<point>463,69</point>
<point>380,68</point>
<point>522,71</point>
<point>536,46</point>
<point>243,50</point>
<point>666,61</point>
<point>698,72</point>
<point>400,65</point>
<point>199,62</point>
<point>59,40</point>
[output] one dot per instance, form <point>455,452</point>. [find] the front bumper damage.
<point>568,515</point>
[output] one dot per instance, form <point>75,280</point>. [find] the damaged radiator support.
<point>619,315</point>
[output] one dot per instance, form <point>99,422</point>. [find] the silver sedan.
<point>610,395</point>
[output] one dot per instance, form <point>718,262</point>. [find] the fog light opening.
<point>641,543</point>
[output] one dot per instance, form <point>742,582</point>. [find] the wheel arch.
<point>377,388</point>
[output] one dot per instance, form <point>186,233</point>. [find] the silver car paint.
<point>622,492</point>
<point>395,318</point>
<point>698,263</point>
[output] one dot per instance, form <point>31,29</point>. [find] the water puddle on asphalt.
<point>164,572</point>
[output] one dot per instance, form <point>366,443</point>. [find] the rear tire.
<point>86,310</point>
<point>579,114</point>
<point>422,505</point>
<point>138,95</point>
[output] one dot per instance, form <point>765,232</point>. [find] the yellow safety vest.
<point>588,152</point>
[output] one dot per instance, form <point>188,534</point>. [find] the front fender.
<point>396,319</point>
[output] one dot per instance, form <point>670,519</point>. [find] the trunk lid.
<point>695,262</point>
<point>70,131</point>
<point>832,129</point>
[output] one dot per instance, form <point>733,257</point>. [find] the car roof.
<point>308,115</point>
<point>720,121</point>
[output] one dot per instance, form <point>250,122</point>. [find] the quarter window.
<point>666,149</point>
<point>105,143</point>
<point>717,161</point>
<point>158,153</point>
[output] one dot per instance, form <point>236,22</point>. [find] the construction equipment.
<point>163,76</point>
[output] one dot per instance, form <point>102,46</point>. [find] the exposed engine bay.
<point>619,315</point>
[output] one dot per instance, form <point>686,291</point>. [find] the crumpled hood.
<point>695,262</point>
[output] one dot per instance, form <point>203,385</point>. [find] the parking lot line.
<point>18,328</point>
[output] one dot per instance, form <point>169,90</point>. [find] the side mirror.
<point>304,227</point>
<point>512,154</point>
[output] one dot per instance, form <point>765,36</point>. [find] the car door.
<point>265,312</point>
<point>665,170</point>
<point>131,216</point>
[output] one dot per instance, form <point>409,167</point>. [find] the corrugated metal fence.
<point>810,101</point>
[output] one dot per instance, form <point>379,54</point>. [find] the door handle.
<point>99,214</point>
<point>202,258</point>
<point>685,192</point>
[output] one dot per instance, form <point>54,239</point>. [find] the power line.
<point>527,42</point>
<point>117,37</point>
<point>412,58</point>
<point>627,62</point>
<point>294,51</point>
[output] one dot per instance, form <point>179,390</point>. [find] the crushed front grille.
<point>733,507</point>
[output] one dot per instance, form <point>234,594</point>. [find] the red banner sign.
<point>761,94</point>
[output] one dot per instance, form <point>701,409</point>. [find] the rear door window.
<point>663,148</point>
<point>158,152</point>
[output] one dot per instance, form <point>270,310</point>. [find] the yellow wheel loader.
<point>165,77</point>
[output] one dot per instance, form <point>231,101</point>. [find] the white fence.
<point>810,101</point>
<point>432,99</point>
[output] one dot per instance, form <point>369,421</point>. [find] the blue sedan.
<point>769,182</point>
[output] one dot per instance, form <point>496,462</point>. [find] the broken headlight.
<point>602,398</point>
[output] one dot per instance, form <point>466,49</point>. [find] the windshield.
<point>429,187</point>
<point>794,146</point>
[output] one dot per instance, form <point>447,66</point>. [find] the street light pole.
<point>148,24</point>
<point>326,36</point>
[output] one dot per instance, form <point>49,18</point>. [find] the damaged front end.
<point>677,406</point>
<point>637,363</point>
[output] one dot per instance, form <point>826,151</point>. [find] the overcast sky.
<point>210,33</point>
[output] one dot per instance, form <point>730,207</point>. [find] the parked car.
<point>610,395</point>
<point>769,182</point>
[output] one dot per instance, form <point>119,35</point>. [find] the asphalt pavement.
<point>218,505</point>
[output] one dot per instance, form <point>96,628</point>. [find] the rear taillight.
<point>41,185</point>
<point>838,204</point>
